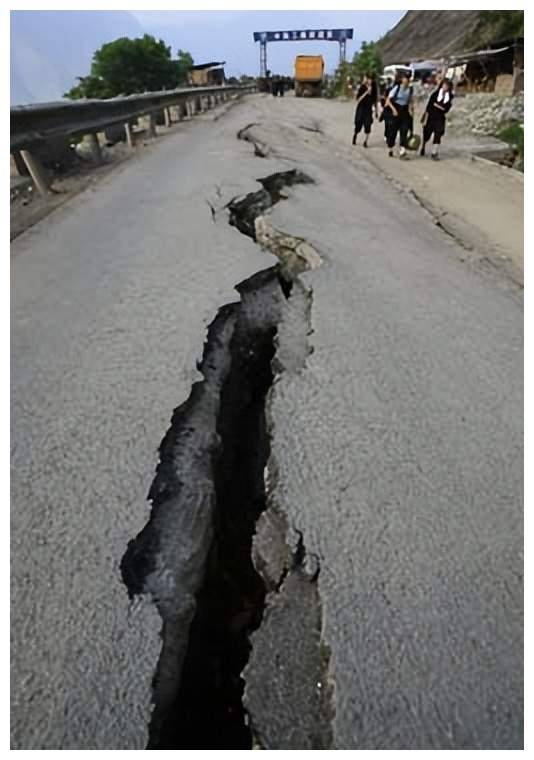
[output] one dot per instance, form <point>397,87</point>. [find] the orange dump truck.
<point>309,71</point>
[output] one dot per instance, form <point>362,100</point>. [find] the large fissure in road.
<point>245,211</point>
<point>195,555</point>
<point>208,712</point>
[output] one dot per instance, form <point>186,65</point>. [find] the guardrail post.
<point>37,172</point>
<point>128,130</point>
<point>167,117</point>
<point>151,125</point>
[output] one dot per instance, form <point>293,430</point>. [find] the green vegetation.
<point>496,25</point>
<point>126,67</point>
<point>89,87</point>
<point>336,86</point>
<point>513,134</point>
<point>367,60</point>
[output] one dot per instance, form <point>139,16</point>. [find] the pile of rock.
<point>485,113</point>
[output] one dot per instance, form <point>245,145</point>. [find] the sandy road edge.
<point>472,246</point>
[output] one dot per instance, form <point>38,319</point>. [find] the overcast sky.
<point>227,35</point>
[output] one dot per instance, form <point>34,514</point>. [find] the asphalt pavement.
<point>396,444</point>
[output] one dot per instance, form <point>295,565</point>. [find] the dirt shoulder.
<point>478,202</point>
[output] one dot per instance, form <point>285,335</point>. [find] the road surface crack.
<point>261,149</point>
<point>245,210</point>
<point>194,557</point>
<point>314,127</point>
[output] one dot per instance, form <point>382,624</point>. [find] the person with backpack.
<point>366,99</point>
<point>399,103</point>
<point>434,117</point>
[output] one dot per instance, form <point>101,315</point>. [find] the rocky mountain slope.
<point>429,34</point>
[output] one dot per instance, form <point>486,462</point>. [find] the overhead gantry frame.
<point>298,35</point>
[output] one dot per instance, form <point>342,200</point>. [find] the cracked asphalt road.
<point>398,447</point>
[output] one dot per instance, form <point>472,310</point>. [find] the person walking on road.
<point>277,86</point>
<point>434,117</point>
<point>366,97</point>
<point>385,113</point>
<point>399,101</point>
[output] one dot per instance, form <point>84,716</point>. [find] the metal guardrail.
<point>36,123</point>
<point>33,125</point>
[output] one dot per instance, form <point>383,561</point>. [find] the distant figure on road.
<point>399,101</point>
<point>278,86</point>
<point>366,98</point>
<point>434,117</point>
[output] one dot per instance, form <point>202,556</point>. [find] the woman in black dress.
<point>439,104</point>
<point>366,98</point>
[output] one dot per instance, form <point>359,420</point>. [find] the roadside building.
<point>207,74</point>
<point>499,68</point>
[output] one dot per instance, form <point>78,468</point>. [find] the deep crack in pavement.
<point>194,556</point>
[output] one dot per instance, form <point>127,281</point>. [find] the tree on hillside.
<point>496,25</point>
<point>367,60</point>
<point>127,66</point>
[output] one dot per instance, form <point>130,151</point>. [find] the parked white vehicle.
<point>394,69</point>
